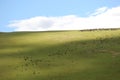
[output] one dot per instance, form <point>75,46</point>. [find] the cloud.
<point>99,11</point>
<point>102,18</point>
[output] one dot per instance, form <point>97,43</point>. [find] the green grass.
<point>62,55</point>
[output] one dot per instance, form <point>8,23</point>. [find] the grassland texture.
<point>62,55</point>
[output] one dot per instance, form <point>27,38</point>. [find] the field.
<point>60,55</point>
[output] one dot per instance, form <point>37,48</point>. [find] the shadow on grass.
<point>74,47</point>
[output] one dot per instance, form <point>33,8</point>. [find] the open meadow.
<point>60,55</point>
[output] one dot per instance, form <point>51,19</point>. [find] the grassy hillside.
<point>65,55</point>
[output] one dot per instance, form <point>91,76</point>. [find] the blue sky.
<point>11,10</point>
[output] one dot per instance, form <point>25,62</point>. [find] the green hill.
<point>60,55</point>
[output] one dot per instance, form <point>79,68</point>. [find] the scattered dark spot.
<point>34,72</point>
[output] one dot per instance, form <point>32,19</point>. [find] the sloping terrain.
<point>60,55</point>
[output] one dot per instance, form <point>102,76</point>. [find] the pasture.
<point>60,55</point>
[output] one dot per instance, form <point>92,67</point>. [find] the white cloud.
<point>101,18</point>
<point>99,11</point>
